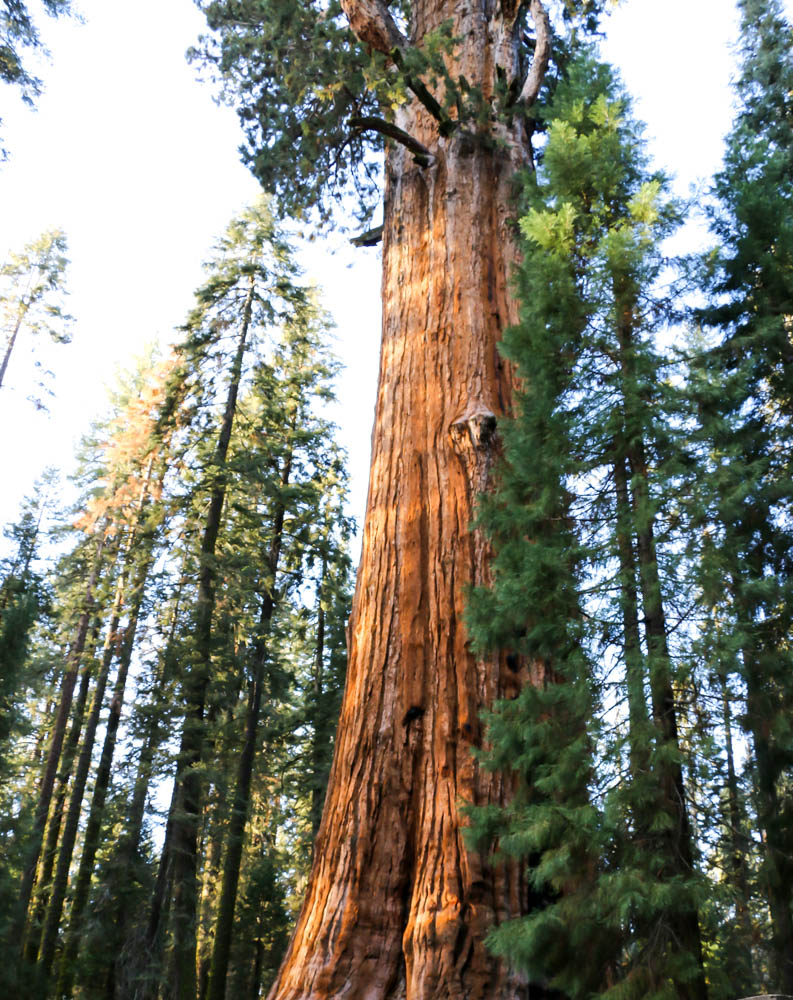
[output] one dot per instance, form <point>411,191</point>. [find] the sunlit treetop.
<point>301,78</point>
<point>752,216</point>
<point>32,294</point>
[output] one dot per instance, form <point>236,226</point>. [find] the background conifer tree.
<point>32,289</point>
<point>581,566</point>
<point>742,390</point>
<point>127,587</point>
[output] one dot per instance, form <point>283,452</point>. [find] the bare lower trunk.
<point>60,883</point>
<point>103,777</point>
<point>396,905</point>
<point>738,962</point>
<point>238,818</point>
<point>56,740</point>
<point>49,853</point>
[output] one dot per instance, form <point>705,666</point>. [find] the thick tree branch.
<point>374,26</point>
<point>542,54</point>
<point>372,23</point>
<point>420,152</point>
<point>368,239</point>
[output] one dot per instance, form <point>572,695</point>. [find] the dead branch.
<point>542,54</point>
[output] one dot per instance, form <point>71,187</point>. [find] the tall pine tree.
<point>744,394</point>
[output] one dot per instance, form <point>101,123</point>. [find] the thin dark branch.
<point>421,154</point>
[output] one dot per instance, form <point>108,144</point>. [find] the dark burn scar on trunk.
<point>414,712</point>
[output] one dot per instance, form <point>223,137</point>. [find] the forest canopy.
<point>539,743</point>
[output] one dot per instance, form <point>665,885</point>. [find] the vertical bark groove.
<point>396,906</point>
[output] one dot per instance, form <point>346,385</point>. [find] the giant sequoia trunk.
<point>396,905</point>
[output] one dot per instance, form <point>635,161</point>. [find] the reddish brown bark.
<point>396,906</point>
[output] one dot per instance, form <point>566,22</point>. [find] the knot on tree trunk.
<point>475,429</point>
<point>474,436</point>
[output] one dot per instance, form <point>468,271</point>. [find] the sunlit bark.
<point>396,905</point>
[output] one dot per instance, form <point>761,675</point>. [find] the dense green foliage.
<point>742,387</point>
<point>575,526</point>
<point>296,75</point>
<point>172,648</point>
<point>641,569</point>
<point>125,612</point>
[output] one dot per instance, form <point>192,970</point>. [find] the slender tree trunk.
<point>678,841</point>
<point>396,905</point>
<point>738,961</point>
<point>58,732</point>
<point>211,851</point>
<point>10,347</point>
<point>763,707</point>
<point>43,730</point>
<point>160,904</point>
<point>320,735</point>
<point>777,863</point>
<point>679,849</point>
<point>49,936</point>
<point>242,791</point>
<point>103,776</point>
<point>118,924</point>
<point>143,776</point>
<point>50,851</point>
<point>188,777</point>
<point>131,841</point>
<point>634,661</point>
<point>258,958</point>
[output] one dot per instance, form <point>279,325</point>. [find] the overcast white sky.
<point>129,154</point>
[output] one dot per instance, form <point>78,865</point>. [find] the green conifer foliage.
<point>24,604</point>
<point>237,644</point>
<point>18,32</point>
<point>581,575</point>
<point>23,598</point>
<point>32,290</point>
<point>743,390</point>
<point>302,81</point>
<point>257,506</point>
